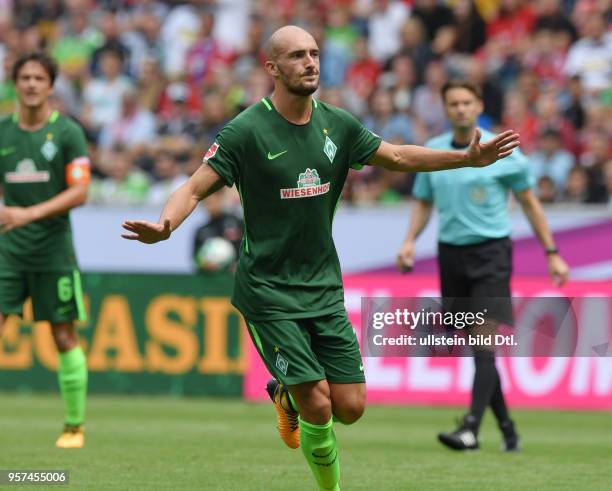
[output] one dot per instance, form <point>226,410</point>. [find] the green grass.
<point>154,443</point>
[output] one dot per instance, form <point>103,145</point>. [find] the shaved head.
<point>292,59</point>
<point>284,39</point>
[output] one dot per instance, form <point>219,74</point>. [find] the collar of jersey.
<point>270,107</point>
<point>52,117</point>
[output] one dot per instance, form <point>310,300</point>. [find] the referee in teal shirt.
<point>475,251</point>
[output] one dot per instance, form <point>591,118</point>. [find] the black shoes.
<point>511,438</point>
<point>465,437</point>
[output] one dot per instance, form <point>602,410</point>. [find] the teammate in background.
<point>289,156</point>
<point>475,251</point>
<point>44,172</point>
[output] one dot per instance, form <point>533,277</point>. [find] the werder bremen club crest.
<point>330,149</point>
<point>49,150</point>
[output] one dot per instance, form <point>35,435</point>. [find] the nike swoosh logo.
<point>6,151</point>
<point>272,157</point>
<point>361,368</point>
<point>63,310</point>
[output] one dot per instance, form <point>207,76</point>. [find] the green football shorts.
<point>305,350</point>
<point>56,296</point>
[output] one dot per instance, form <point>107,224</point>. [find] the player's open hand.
<point>12,217</point>
<point>146,232</point>
<point>483,154</point>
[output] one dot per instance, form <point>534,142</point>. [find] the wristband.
<point>549,252</point>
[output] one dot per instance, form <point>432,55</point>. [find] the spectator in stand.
<point>549,115</point>
<point>428,106</point>
<point>577,187</point>
<point>470,30</point>
<point>385,121</point>
<point>414,44</point>
<point>203,52</point>
<point>124,184</point>
<point>135,128</point>
<point>150,85</point>
<point>591,56</point>
<point>337,52</point>
<point>154,7</point>
<point>180,121</point>
<point>439,22</point>
<point>545,58</point>
<point>403,82</point>
<point>78,40</point>
<point>513,24</point>
<point>169,176</point>
<point>179,31</point>
<point>214,117</point>
<point>257,86</point>
<point>551,17</point>
<point>384,26</point>
<point>492,95</point>
<point>111,32</point>
<point>362,74</point>
<point>546,190</point>
<point>144,42</point>
<point>528,84</point>
<point>102,96</point>
<point>574,110</point>
<point>251,56</point>
<point>518,117</point>
<point>8,96</point>
<point>551,159</point>
<point>597,152</point>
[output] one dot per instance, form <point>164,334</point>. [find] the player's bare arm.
<point>557,267</point>
<point>12,217</point>
<point>181,203</point>
<point>413,158</point>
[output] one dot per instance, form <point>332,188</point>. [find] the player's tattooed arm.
<point>413,158</point>
<point>204,182</point>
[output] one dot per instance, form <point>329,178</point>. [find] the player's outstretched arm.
<point>412,158</point>
<point>181,203</point>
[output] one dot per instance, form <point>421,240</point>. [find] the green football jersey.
<point>32,170</point>
<point>290,178</point>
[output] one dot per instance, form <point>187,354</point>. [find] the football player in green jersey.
<point>289,156</point>
<point>44,173</point>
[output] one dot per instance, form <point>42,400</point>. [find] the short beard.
<point>298,90</point>
<point>301,90</point>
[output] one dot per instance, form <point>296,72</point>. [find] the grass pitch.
<point>152,443</point>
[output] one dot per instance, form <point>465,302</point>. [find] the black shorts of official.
<point>476,277</point>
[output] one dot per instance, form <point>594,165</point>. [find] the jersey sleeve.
<point>517,174</point>
<point>363,143</point>
<point>422,188</point>
<point>76,159</point>
<point>225,154</point>
<point>74,143</point>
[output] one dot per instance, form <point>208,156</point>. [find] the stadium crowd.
<point>153,82</point>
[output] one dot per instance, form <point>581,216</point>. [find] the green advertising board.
<point>165,334</point>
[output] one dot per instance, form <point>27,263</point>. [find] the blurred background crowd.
<point>153,82</point>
